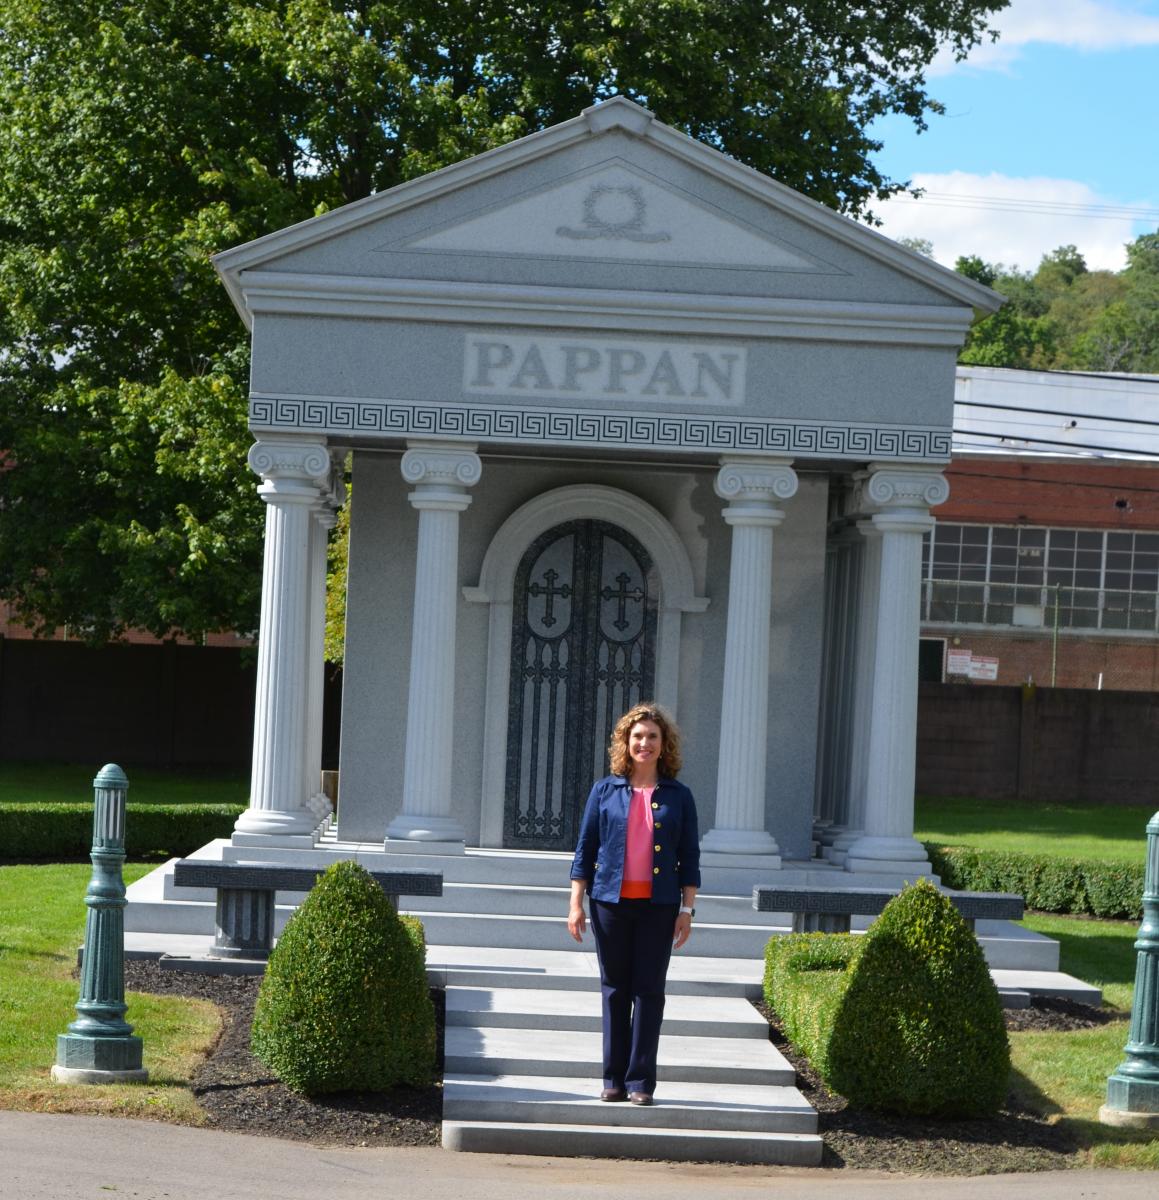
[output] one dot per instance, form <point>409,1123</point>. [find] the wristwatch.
<point>690,911</point>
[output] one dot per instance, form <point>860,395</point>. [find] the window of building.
<point>1020,575</point>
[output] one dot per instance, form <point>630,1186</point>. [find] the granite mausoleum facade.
<point>628,420</point>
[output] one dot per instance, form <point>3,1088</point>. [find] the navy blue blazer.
<point>603,840</point>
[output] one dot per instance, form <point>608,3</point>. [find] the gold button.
<point>655,870</point>
<point>654,804</point>
<point>657,824</point>
<point>657,849</point>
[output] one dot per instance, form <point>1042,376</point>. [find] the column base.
<point>420,827</point>
<point>893,849</point>
<point>838,850</point>
<point>740,841</point>
<point>265,823</point>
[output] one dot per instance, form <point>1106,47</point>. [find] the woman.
<point>639,856</point>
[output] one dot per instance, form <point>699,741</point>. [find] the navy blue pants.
<point>634,944</point>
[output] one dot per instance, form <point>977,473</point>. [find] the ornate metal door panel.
<point>582,651</point>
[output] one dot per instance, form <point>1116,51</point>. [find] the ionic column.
<point>441,474</point>
<point>753,486</point>
<point>325,518</point>
<point>293,477</point>
<point>904,496</point>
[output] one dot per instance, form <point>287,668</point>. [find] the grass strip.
<point>42,918</point>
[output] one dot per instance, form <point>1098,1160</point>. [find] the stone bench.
<point>829,909</point>
<point>246,895</point>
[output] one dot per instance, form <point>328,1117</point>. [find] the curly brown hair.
<point>670,759</point>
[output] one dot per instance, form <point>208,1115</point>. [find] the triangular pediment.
<point>612,201</point>
<point>614,212</point>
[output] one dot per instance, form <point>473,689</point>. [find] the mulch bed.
<point>239,1093</point>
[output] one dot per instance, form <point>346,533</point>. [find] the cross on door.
<point>622,595</point>
<point>550,592</point>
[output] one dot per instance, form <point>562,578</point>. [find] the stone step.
<point>540,1008</point>
<point>601,1141</point>
<point>565,1100</point>
<point>550,933</point>
<point>472,1050</point>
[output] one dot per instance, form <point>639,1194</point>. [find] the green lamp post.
<point>1133,1087</point>
<point>99,1046</point>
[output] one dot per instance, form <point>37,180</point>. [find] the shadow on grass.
<point>1026,1095</point>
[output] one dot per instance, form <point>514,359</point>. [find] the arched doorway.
<point>583,649</point>
<point>671,583</point>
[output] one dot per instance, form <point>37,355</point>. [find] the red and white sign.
<point>983,668</point>
<point>958,662</point>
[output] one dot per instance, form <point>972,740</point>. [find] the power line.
<point>1061,208</point>
<point>1005,437</point>
<point>1054,412</point>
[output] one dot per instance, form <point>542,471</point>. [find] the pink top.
<point>638,855</point>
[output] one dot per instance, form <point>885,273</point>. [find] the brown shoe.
<point>639,1098</point>
<point>613,1095</point>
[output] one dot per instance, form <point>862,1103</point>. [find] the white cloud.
<point>1087,25</point>
<point>1014,221</point>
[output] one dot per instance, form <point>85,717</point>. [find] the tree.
<point>1067,317</point>
<point>138,137</point>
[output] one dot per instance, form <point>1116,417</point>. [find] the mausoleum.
<point>628,420</point>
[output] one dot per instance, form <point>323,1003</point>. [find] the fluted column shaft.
<point>752,486</point>
<point>293,475</point>
<point>441,475</point>
<point>903,497</point>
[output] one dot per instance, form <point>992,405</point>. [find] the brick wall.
<point>1069,494</point>
<point>1126,664</point>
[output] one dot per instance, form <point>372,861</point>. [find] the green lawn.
<point>1111,832</point>
<point>42,918</point>
<point>53,783</point>
<point>1065,1074</point>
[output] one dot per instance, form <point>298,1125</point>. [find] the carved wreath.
<point>631,229</point>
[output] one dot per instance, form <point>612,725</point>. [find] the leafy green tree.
<point>1067,317</point>
<point>138,137</point>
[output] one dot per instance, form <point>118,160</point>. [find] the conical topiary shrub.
<point>920,1029</point>
<point>344,1004</point>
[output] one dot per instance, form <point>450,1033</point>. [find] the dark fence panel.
<point>160,705</point>
<point>1041,744</point>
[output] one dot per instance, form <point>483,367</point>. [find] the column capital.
<point>441,473</point>
<point>753,486</point>
<point>290,470</point>
<point>889,486</point>
<point>756,479</point>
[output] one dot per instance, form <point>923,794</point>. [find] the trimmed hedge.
<point>1086,886</point>
<point>344,1005</point>
<point>65,831</point>
<point>919,1028</point>
<point>805,977</point>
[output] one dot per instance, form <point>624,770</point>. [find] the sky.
<point>1050,137</point>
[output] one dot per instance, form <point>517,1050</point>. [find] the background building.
<point>1044,562</point>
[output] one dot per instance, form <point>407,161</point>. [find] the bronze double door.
<point>582,652</point>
